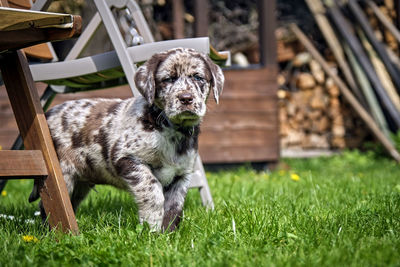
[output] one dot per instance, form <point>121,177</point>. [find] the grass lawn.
<point>338,211</point>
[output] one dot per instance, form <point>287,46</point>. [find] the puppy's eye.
<point>197,77</point>
<point>169,79</point>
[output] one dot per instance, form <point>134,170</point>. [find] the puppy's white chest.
<point>167,173</point>
<point>179,167</point>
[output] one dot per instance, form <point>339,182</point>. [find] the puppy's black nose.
<point>186,98</point>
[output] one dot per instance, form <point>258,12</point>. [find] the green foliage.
<point>377,148</point>
<point>396,140</point>
<point>337,211</point>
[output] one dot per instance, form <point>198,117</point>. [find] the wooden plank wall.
<point>8,126</point>
<point>242,128</point>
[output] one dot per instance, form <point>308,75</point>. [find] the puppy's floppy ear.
<point>217,81</point>
<point>145,80</point>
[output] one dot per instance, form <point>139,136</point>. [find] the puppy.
<point>146,145</point>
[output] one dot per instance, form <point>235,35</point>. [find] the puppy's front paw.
<point>171,220</point>
<point>154,223</point>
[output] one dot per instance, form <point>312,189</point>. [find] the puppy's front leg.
<point>175,195</point>
<point>145,187</point>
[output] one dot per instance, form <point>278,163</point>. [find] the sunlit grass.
<point>338,211</point>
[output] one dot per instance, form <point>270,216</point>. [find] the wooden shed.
<point>245,126</point>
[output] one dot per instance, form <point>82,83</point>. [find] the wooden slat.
<point>13,39</point>
<point>240,137</point>
<point>35,132</point>
<point>236,79</point>
<point>235,154</point>
<point>22,164</point>
<point>20,38</point>
<point>41,51</point>
<point>250,83</point>
<point>238,121</point>
<point>243,104</point>
<point>244,126</point>
<point>18,19</point>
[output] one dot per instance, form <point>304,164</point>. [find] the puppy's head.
<point>179,81</point>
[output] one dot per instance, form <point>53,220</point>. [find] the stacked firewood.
<point>360,42</point>
<point>312,114</point>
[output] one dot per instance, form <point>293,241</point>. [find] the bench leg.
<point>199,180</point>
<point>33,127</point>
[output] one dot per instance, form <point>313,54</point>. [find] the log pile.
<point>311,112</point>
<point>361,45</point>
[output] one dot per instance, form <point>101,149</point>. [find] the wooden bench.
<point>17,30</point>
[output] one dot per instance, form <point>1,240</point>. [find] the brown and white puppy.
<point>146,144</point>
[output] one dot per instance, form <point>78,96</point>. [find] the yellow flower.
<point>294,177</point>
<point>4,193</point>
<point>30,238</point>
<point>282,172</point>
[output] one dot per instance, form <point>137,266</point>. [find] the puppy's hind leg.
<point>79,193</point>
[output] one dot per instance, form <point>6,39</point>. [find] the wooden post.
<point>267,25</point>
<point>201,14</point>
<point>178,10</point>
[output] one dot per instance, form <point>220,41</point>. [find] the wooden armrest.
<point>221,58</point>
<point>214,54</point>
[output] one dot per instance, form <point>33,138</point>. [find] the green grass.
<point>342,211</point>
